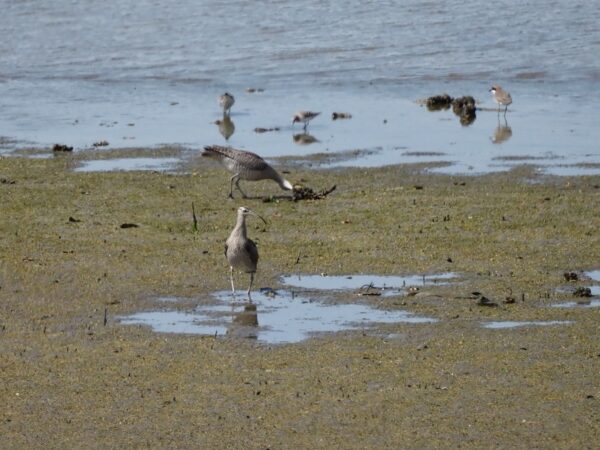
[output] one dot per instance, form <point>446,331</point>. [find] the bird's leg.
<point>505,109</point>
<point>237,185</point>
<point>234,179</point>
<point>250,287</point>
<point>231,278</point>
<point>305,125</point>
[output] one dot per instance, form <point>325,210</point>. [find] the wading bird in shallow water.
<point>226,101</point>
<point>501,97</point>
<point>240,251</point>
<point>304,117</point>
<point>245,166</point>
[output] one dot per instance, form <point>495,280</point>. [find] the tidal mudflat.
<point>81,249</point>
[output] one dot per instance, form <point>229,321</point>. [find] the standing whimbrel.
<point>241,252</point>
<point>245,166</point>
<point>304,117</point>
<point>501,97</point>
<point>226,101</point>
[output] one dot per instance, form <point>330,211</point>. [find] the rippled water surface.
<point>148,72</point>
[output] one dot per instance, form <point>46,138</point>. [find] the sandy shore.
<point>69,381</point>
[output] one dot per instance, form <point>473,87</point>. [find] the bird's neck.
<point>240,226</point>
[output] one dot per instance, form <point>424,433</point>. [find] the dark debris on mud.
<point>306,193</point>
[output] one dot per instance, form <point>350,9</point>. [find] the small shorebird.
<point>226,101</point>
<point>501,97</point>
<point>304,117</point>
<point>240,251</point>
<point>245,166</point>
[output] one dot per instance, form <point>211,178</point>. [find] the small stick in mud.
<point>194,219</point>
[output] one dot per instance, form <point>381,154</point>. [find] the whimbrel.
<point>304,117</point>
<point>501,97</point>
<point>226,101</point>
<point>245,166</point>
<point>241,252</point>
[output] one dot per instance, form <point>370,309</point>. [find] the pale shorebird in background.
<point>304,117</point>
<point>226,101</point>
<point>245,166</point>
<point>501,97</point>
<point>240,251</point>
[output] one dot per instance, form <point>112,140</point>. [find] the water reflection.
<point>226,126</point>
<point>502,133</point>
<point>127,164</point>
<point>244,323</point>
<point>503,325</point>
<point>284,317</point>
<point>304,139</point>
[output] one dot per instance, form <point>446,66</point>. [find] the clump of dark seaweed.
<point>306,193</point>
<point>582,292</point>
<point>438,102</point>
<point>62,148</point>
<point>464,107</point>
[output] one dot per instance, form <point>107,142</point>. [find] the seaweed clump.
<point>306,193</point>
<point>438,102</point>
<point>464,107</point>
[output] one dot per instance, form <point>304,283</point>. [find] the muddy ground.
<point>70,381</point>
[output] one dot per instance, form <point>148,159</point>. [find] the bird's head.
<point>295,119</point>
<point>493,89</point>
<point>245,212</point>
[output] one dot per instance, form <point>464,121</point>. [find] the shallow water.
<point>273,317</point>
<point>387,285</point>
<point>593,274</point>
<point>126,164</point>
<point>512,324</point>
<point>145,74</point>
<point>579,304</point>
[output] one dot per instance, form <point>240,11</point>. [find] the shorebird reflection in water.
<point>501,97</point>
<point>502,133</point>
<point>241,252</point>
<point>245,166</point>
<point>226,127</point>
<point>304,139</point>
<point>304,117</point>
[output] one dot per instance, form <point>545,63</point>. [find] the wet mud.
<point>74,376</point>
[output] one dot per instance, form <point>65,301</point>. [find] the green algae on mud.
<point>69,381</point>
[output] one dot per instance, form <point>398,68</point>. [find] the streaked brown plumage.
<point>240,251</point>
<point>245,166</point>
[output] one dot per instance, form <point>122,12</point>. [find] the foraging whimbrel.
<point>245,166</point>
<point>501,97</point>
<point>304,117</point>
<point>241,252</point>
<point>226,101</point>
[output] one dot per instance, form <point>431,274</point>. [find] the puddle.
<point>114,113</point>
<point>594,291</point>
<point>274,317</point>
<point>579,304</point>
<point>512,324</point>
<point>126,164</point>
<point>569,170</point>
<point>388,285</point>
<point>593,274</point>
